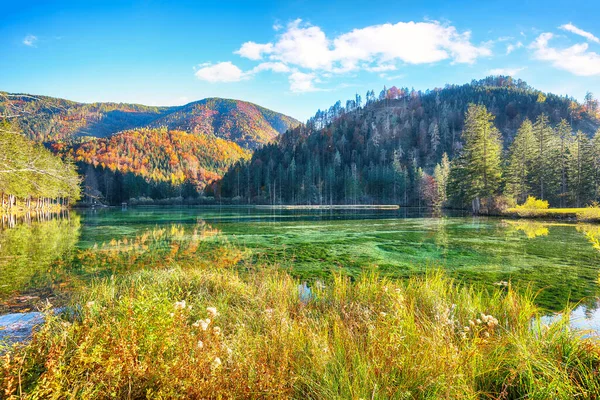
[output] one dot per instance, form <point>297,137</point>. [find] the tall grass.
<point>186,332</point>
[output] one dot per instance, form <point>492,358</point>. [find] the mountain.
<point>48,119</point>
<point>245,123</point>
<point>380,151</point>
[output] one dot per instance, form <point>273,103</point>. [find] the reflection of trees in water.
<point>11,220</point>
<point>531,229</point>
<point>29,248</point>
<point>176,236</point>
<point>441,235</point>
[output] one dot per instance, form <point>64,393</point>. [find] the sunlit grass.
<point>186,329</point>
<point>587,214</point>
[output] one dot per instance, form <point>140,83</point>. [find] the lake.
<point>560,260</point>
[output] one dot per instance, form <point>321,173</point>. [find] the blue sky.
<point>291,56</point>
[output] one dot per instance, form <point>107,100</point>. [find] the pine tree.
<point>581,167</point>
<point>565,136</point>
<point>520,163</point>
<point>481,154</point>
<point>441,174</point>
<point>544,177</point>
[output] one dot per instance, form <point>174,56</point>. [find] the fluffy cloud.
<point>221,72</point>
<point>254,51</point>
<point>271,66</point>
<point>306,53</point>
<point>30,40</point>
<point>573,29</point>
<point>301,82</point>
<point>505,71</point>
<point>307,46</point>
<point>576,59</point>
<point>512,47</point>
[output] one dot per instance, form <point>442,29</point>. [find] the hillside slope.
<point>245,123</point>
<point>48,119</point>
<point>377,152</point>
<point>159,155</point>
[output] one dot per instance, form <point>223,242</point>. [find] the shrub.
<point>533,204</point>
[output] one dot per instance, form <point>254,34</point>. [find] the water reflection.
<point>28,248</point>
<point>532,229</point>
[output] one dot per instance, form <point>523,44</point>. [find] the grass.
<point>146,334</point>
<point>584,214</point>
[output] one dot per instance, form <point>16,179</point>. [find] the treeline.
<point>103,185</point>
<point>552,163</point>
<point>31,177</point>
<point>386,149</point>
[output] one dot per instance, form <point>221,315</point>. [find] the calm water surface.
<point>560,260</point>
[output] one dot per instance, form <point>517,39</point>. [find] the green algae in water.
<point>559,260</point>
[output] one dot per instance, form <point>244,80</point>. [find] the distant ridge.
<point>50,119</point>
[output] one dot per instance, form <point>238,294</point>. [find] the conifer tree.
<point>520,163</point>
<point>481,155</point>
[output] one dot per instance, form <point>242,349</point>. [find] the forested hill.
<point>48,119</point>
<point>156,155</point>
<point>378,151</point>
<point>245,123</point>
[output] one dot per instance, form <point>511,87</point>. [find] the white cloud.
<point>254,51</point>
<point>303,45</point>
<point>30,40</point>
<point>301,82</point>
<point>575,59</point>
<point>221,72</point>
<point>505,71</point>
<point>512,47</point>
<point>271,66</point>
<point>307,53</point>
<point>381,68</point>
<point>573,29</point>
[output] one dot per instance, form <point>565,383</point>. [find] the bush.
<point>533,204</point>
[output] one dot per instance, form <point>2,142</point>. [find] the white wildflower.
<point>216,362</point>
<point>217,330</point>
<point>180,305</point>
<point>212,311</point>
<point>200,344</point>
<point>204,323</point>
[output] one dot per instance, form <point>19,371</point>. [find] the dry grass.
<point>147,335</point>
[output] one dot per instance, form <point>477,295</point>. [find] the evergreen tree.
<point>441,174</point>
<point>581,167</point>
<point>520,163</point>
<point>544,175</point>
<point>481,155</point>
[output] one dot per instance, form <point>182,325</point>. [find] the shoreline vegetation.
<point>201,320</point>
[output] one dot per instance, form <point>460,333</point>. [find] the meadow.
<point>198,316</point>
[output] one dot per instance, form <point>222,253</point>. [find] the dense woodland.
<point>396,146</point>
<point>31,177</point>
<point>489,143</point>
<point>126,151</point>
<point>155,163</point>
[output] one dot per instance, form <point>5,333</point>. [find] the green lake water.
<point>559,260</point>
